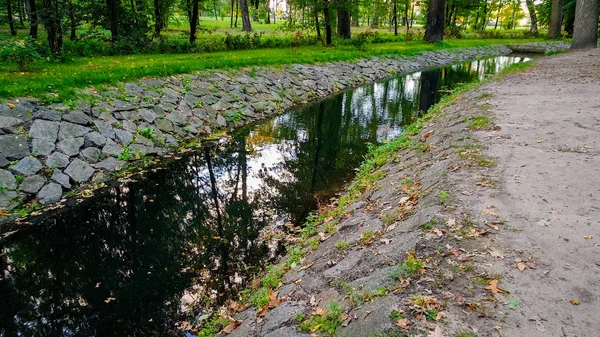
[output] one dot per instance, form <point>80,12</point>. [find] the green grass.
<point>326,323</point>
<point>63,79</point>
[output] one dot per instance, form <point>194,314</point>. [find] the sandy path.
<point>550,169</point>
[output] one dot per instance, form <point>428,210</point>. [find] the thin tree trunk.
<point>113,12</point>
<point>11,23</point>
<point>33,19</point>
<point>231,17</point>
<point>585,32</point>
<point>73,35</point>
<point>327,19</point>
<point>395,18</point>
<point>246,26</point>
<point>484,19</point>
<point>52,23</point>
<point>237,10</point>
<point>317,22</point>
<point>215,8</point>
<point>555,20</point>
<point>434,31</point>
<point>533,16</point>
<point>21,14</point>
<point>500,11</point>
<point>194,22</point>
<point>158,18</point>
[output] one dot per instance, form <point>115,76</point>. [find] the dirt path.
<point>549,170</point>
<point>485,223</point>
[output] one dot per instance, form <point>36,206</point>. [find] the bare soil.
<point>501,207</point>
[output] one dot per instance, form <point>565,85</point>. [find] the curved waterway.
<point>141,256</point>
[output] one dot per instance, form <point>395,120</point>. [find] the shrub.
<point>23,53</point>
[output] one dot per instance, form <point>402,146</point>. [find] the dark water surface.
<point>140,256</point>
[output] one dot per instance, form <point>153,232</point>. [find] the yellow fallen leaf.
<point>521,266</point>
<point>588,237</point>
<point>575,302</point>
<point>493,287</point>
<point>316,327</point>
<point>109,299</point>
<point>10,105</point>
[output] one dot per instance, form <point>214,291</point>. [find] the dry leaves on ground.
<point>493,287</point>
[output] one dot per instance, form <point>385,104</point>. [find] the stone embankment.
<point>47,150</point>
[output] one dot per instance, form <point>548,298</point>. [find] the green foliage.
<point>148,133</point>
<point>342,245</point>
<point>213,326</point>
<point>327,323</point>
<point>260,298</point>
<point>240,42</point>
<point>466,334</point>
<point>409,267</point>
<point>126,155</point>
<point>23,53</point>
<point>443,196</point>
<point>478,122</point>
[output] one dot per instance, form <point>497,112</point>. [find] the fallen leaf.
<point>493,287</point>
<point>496,254</point>
<point>588,237</point>
<point>451,222</point>
<point>543,223</point>
<point>307,265</point>
<point>151,200</point>
<point>109,299</point>
<point>316,327</point>
<point>274,301</point>
<point>575,302</point>
<point>232,326</point>
<point>521,266</point>
<point>403,323</point>
<point>10,105</point>
<point>391,227</point>
<point>489,212</point>
<point>428,134</point>
<point>319,312</point>
<point>386,241</point>
<point>262,311</point>
<point>367,314</point>
<point>438,332</point>
<point>512,304</point>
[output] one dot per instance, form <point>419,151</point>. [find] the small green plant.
<point>71,104</point>
<point>326,323</point>
<point>125,155</point>
<point>260,298</point>
<point>367,237</point>
<point>147,132</point>
<point>395,314</point>
<point>19,178</point>
<point>409,267</point>
<point>479,122</point>
<point>342,245</point>
<point>213,326</point>
<point>430,224</point>
<point>431,315</point>
<point>23,53</point>
<point>443,196</point>
<point>466,334</point>
<point>236,116</point>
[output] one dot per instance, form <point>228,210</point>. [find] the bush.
<point>246,41</point>
<point>23,53</point>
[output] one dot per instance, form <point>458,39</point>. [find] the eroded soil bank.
<point>49,150</point>
<point>483,223</point>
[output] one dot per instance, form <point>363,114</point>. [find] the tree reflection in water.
<point>132,260</point>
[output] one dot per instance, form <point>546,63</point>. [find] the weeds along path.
<point>482,222</point>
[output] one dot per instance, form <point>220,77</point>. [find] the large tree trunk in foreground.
<point>343,23</point>
<point>555,20</point>
<point>585,32</point>
<point>194,22</point>
<point>532,16</point>
<point>434,31</point>
<point>246,27</point>
<point>327,19</point>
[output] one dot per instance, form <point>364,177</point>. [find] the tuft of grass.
<point>326,323</point>
<point>444,196</point>
<point>342,245</point>
<point>479,122</point>
<point>409,267</point>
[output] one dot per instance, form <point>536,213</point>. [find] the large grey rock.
<point>131,116</point>
<point>49,194</point>
<point>57,160</point>
<point>94,139</point>
<point>50,115</point>
<point>70,146</point>
<point>32,184</point>
<point>3,161</point>
<point>164,125</point>
<point>112,149</point>
<point>70,130</point>
<point>142,150</point>
<point>8,199</point>
<point>285,314</point>
<point>61,178</point>
<point>77,117</point>
<point>27,165</point>
<point>9,123</point>
<point>21,110</point>
<point>79,170</point>
<point>105,128</point>
<point>125,137</point>
<point>90,154</point>
<point>42,147</point>
<point>7,180</point>
<point>287,331</point>
<point>147,115</point>
<point>46,130</point>
<point>110,164</point>
<point>14,146</point>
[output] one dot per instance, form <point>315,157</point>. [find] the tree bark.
<point>343,28</point>
<point>194,22</point>
<point>52,23</point>
<point>327,19</point>
<point>555,20</point>
<point>113,17</point>
<point>72,21</point>
<point>158,18</point>
<point>11,23</point>
<point>317,22</point>
<point>21,14</point>
<point>395,9</point>
<point>531,8</point>
<point>585,32</point>
<point>434,31</point>
<point>246,26</point>
<point>33,19</point>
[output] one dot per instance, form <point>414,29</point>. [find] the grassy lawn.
<point>62,79</point>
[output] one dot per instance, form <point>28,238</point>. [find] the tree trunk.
<point>500,12</point>
<point>33,19</point>
<point>395,9</point>
<point>585,32</point>
<point>215,8</point>
<point>237,10</point>
<point>434,31</point>
<point>11,23</point>
<point>317,22</point>
<point>21,14</point>
<point>343,28</point>
<point>231,17</point>
<point>52,23</point>
<point>194,22</point>
<point>531,8</point>
<point>246,27</point>
<point>72,21</point>
<point>113,12</point>
<point>327,19</point>
<point>555,20</point>
<point>158,18</point>
<point>484,21</point>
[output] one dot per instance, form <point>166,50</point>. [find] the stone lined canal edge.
<point>47,150</point>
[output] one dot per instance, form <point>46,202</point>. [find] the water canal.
<point>142,255</point>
